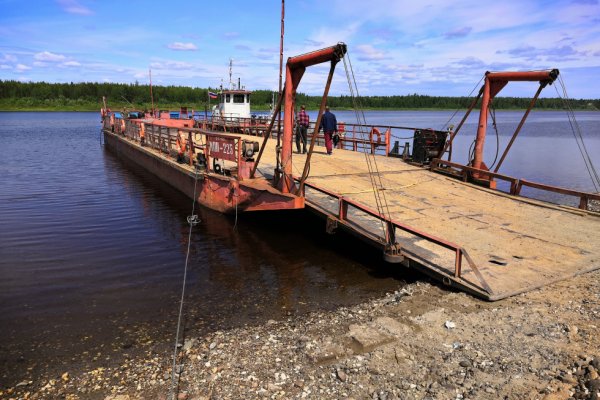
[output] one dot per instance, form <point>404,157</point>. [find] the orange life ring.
<point>181,142</point>
<point>341,127</point>
<point>375,132</point>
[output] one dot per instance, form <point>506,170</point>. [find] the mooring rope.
<point>192,220</point>
<point>578,136</point>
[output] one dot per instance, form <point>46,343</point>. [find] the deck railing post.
<point>583,202</point>
<point>191,150</point>
<point>458,263</point>
<point>388,137</point>
<point>343,209</point>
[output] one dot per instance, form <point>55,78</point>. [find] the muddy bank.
<point>420,342</point>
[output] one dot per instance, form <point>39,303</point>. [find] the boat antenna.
<point>280,78</point>
<point>230,71</point>
<point>281,44</point>
<point>151,96</point>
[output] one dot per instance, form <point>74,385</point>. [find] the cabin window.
<point>248,98</point>
<point>239,98</point>
<point>227,98</point>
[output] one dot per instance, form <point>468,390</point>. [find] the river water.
<point>92,248</point>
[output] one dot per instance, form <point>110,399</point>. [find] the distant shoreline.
<point>338,109</point>
<point>176,108</point>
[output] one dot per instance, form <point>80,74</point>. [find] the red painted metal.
<point>343,219</point>
<point>494,82</point>
<point>515,183</point>
<point>223,148</point>
<point>295,68</point>
<point>226,194</point>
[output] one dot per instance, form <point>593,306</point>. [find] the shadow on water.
<point>269,264</point>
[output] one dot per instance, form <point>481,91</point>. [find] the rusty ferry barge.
<point>445,219</point>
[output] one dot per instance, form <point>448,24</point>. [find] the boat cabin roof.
<point>236,91</point>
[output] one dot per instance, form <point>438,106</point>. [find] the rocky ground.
<point>421,342</point>
<point>594,205</point>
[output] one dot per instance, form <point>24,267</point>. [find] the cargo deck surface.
<point>516,244</point>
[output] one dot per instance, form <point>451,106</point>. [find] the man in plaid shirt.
<point>301,129</point>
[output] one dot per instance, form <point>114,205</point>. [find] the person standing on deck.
<point>303,121</point>
<point>329,126</point>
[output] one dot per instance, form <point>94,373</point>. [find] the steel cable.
<point>578,136</point>
<point>192,220</point>
<point>458,109</point>
<point>374,175</point>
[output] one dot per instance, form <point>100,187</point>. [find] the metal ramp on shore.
<point>480,240</point>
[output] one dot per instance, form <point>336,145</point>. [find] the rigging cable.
<point>374,175</point>
<point>492,110</point>
<point>192,220</point>
<point>458,109</point>
<point>578,136</point>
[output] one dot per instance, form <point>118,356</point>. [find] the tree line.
<point>89,94</point>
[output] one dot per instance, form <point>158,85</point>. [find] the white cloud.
<point>183,46</point>
<point>141,75</point>
<point>181,65</point>
<point>74,7</point>
<point>47,56</point>
<point>8,58</point>
<point>4,66</point>
<point>71,64</point>
<point>22,67</point>
<point>40,64</point>
<point>366,52</point>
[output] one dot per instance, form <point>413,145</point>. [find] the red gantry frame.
<point>493,84</point>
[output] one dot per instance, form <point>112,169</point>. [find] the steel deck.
<point>517,244</point>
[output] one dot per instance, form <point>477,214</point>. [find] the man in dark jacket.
<point>329,126</point>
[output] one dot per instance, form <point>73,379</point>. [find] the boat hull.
<point>218,192</point>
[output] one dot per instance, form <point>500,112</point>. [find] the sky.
<point>429,47</point>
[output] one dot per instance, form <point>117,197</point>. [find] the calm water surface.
<point>545,150</point>
<point>92,248</point>
<point>92,253</point>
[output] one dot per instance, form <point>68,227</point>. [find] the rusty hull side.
<point>218,192</point>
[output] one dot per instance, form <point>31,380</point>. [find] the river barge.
<point>445,219</point>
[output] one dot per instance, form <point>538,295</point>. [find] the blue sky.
<point>396,47</point>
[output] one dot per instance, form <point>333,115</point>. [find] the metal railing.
<point>342,214</point>
<point>210,147</point>
<point>516,184</point>
<point>364,138</point>
<point>356,137</point>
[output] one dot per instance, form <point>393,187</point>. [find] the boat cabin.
<point>233,104</point>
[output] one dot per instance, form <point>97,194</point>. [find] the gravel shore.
<point>421,342</point>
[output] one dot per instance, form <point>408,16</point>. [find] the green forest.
<point>33,96</point>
